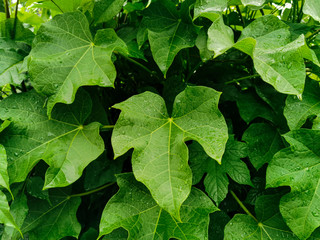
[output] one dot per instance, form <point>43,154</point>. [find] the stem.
<point>92,191</point>
<point>193,70</point>
<point>15,21</point>
<point>137,63</point>
<point>313,34</point>
<point>106,127</point>
<point>243,206</point>
<point>300,15</point>
<point>241,17</point>
<point>243,78</point>
<point>57,5</point>
<point>6,5</point>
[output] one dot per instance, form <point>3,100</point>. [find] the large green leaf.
<point>160,157</point>
<point>5,215</point>
<point>64,57</point>
<point>277,58</point>
<point>216,181</point>
<point>298,167</point>
<point>269,224</point>
<point>169,31</point>
<point>263,142</point>
<point>105,10</point>
<point>63,142</point>
<point>208,8</point>
<point>52,221</point>
<point>139,214</point>
<point>59,6</point>
<point>298,111</point>
<point>312,8</point>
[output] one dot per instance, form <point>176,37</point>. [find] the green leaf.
<point>263,142</point>
<point>220,37</point>
<point>63,142</point>
<point>277,58</point>
<point>298,167</point>
<point>52,222</point>
<point>19,210</point>
<point>270,224</point>
<point>105,10</point>
<point>169,31</point>
<point>140,215</point>
<point>298,111</point>
<point>216,181</point>
<point>5,215</point>
<point>201,43</point>
<point>255,3</point>
<point>207,8</point>
<point>59,6</point>
<point>312,8</point>
<point>64,57</point>
<point>160,157</point>
<point>4,178</point>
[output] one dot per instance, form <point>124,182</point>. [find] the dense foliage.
<point>160,119</point>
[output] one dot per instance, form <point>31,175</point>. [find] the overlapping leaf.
<point>298,167</point>
<point>169,31</point>
<point>139,214</point>
<point>5,215</point>
<point>298,111</point>
<point>268,225</point>
<point>207,8</point>
<point>64,57</point>
<point>105,10</point>
<point>63,142</point>
<point>216,181</point>
<point>160,157</point>
<point>4,178</point>
<point>312,8</point>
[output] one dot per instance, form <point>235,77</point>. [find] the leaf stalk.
<point>243,206</point>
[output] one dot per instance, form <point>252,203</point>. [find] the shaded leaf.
<point>4,178</point>
<point>63,142</point>
<point>5,215</point>
<point>160,157</point>
<point>64,57</point>
<point>298,167</point>
<point>140,215</point>
<point>105,10</point>
<point>312,8</point>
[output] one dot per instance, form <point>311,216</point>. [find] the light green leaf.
<point>298,167</point>
<point>59,6</point>
<point>64,57</point>
<point>4,178</point>
<point>270,225</point>
<point>220,37</point>
<point>64,142</point>
<point>298,111</point>
<point>5,215</point>
<point>19,210</point>
<point>312,8</point>
<point>160,157</point>
<point>255,3</point>
<point>216,181</point>
<point>169,31</point>
<point>201,43</point>
<point>52,221</point>
<point>208,8</point>
<point>105,10</point>
<point>263,142</point>
<point>140,215</point>
<point>277,58</point>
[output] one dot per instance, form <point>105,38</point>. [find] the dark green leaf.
<point>105,10</point>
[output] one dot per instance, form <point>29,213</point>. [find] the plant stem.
<point>313,34</point>
<point>135,62</point>
<point>106,127</point>
<point>243,78</point>
<point>92,191</point>
<point>193,70</point>
<point>15,21</point>
<point>6,5</point>
<point>243,206</point>
<point>241,17</point>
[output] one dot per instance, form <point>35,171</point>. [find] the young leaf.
<point>269,224</point>
<point>216,181</point>
<point>297,111</point>
<point>160,157</point>
<point>63,142</point>
<point>263,142</point>
<point>52,221</point>
<point>105,10</point>
<point>298,167</point>
<point>140,215</point>
<point>312,8</point>
<point>64,57</point>
<point>169,31</point>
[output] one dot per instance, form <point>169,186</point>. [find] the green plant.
<point>159,119</point>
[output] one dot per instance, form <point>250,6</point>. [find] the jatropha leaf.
<point>64,57</point>
<point>312,8</point>
<point>105,10</point>
<point>52,221</point>
<point>298,167</point>
<point>216,181</point>
<point>169,31</point>
<point>277,58</point>
<point>5,215</point>
<point>297,111</point>
<point>208,8</point>
<point>64,142</point>
<point>254,3</point>
<point>139,214</point>
<point>267,225</point>
<point>4,178</point>
<point>160,157</point>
